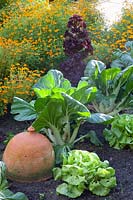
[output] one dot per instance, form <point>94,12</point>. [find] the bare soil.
<point>121,160</point>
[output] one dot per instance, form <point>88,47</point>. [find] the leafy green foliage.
<point>84,170</point>
<point>9,136</point>
<point>59,108</point>
<point>121,133</point>
<point>114,87</point>
<point>3,3</point>
<point>26,110</point>
<point>3,181</point>
<point>6,194</point>
<point>123,58</point>
<point>94,139</point>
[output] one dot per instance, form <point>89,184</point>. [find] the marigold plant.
<point>36,29</point>
<point>122,31</point>
<point>19,82</point>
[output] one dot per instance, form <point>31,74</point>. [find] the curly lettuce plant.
<point>5,193</point>
<point>121,133</point>
<point>83,170</point>
<point>114,87</point>
<point>123,58</point>
<point>59,109</point>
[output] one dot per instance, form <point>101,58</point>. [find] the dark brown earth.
<point>121,160</point>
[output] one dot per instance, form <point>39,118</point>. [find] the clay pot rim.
<point>28,181</point>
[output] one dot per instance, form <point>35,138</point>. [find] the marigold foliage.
<point>18,83</point>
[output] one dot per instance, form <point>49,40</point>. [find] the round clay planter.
<point>29,157</point>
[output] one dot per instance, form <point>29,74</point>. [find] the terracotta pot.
<point>29,156</point>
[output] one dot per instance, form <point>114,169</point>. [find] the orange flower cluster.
<point>122,31</point>
<point>18,83</point>
<point>36,29</point>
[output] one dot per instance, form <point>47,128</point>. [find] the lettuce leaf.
<point>121,133</point>
<point>84,170</point>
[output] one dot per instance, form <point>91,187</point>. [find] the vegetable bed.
<point>120,160</point>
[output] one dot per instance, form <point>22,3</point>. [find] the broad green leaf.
<point>126,90</point>
<point>94,139</point>
<point>123,58</point>
<point>61,151</point>
<point>74,107</point>
<point>99,118</point>
<point>123,76</point>
<point>19,196</point>
<point>57,173</point>
<point>105,172</point>
<point>93,68</point>
<point>68,190</point>
<point>117,63</point>
<point>84,94</point>
<point>82,84</point>
<point>98,189</point>
<point>107,78</point>
<point>42,92</point>
<point>23,110</point>
<point>72,170</point>
<point>8,195</point>
<point>111,182</point>
<point>50,83</point>
<point>82,158</point>
<point>50,115</point>
<point>53,79</point>
<point>74,180</point>
<point>40,104</point>
<point>3,181</point>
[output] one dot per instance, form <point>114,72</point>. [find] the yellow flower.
<point>56,30</point>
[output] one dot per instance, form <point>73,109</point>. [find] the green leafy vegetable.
<point>123,58</point>
<point>121,133</point>
<point>9,136</point>
<point>59,109</point>
<point>3,181</point>
<point>114,88</point>
<point>91,135</point>
<point>26,110</point>
<point>84,170</point>
<point>94,139</point>
<point>5,193</point>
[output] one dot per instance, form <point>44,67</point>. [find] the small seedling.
<point>9,136</point>
<point>41,196</point>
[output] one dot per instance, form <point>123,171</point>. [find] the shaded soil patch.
<point>121,160</point>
